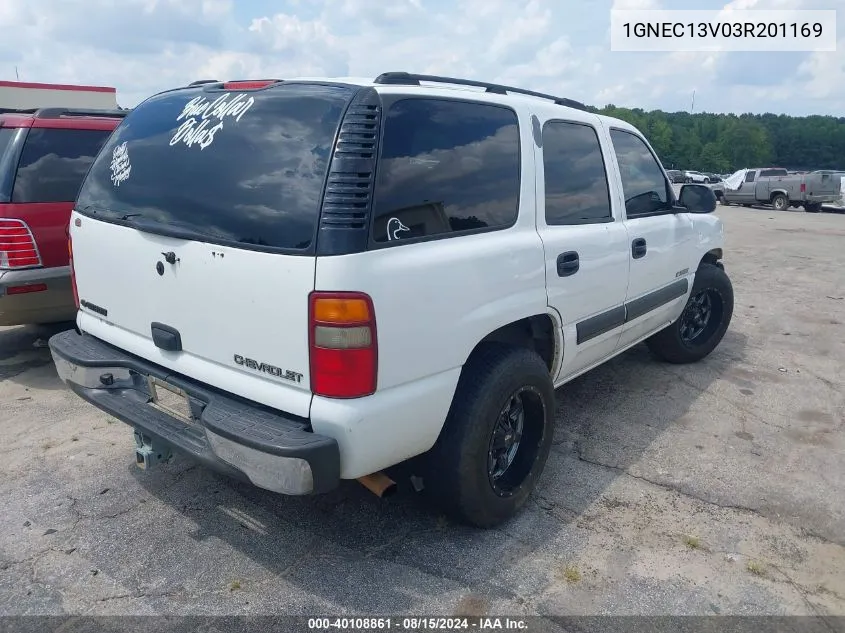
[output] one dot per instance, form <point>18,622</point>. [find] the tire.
<point>780,202</point>
<point>812,207</point>
<point>457,472</point>
<point>679,342</point>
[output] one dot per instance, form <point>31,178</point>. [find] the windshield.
<point>232,167</point>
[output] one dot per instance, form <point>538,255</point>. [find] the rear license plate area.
<point>170,399</point>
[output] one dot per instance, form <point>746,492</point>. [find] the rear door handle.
<point>567,264</point>
<point>638,248</point>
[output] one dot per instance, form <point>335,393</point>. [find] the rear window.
<point>446,167</point>
<point>773,172</point>
<point>54,162</point>
<point>239,168</point>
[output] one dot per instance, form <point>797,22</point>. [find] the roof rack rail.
<point>202,82</point>
<point>55,113</point>
<point>412,79</point>
<point>18,110</point>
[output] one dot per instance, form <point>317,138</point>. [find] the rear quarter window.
<point>446,168</point>
<point>54,162</point>
<point>7,159</point>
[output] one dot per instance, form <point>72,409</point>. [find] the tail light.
<point>17,245</point>
<point>72,273</point>
<point>344,353</point>
<point>803,187</point>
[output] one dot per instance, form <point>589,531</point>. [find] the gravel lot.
<point>714,488</point>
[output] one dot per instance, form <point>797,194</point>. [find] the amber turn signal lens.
<point>337,310</point>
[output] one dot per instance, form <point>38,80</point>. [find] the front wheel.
<point>496,438</point>
<point>702,324</point>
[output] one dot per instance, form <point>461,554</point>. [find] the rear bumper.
<point>237,438</point>
<point>48,305</point>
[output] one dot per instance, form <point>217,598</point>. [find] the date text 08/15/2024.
<point>417,624</point>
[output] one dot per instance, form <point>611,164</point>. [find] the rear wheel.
<point>812,207</point>
<point>496,438</point>
<point>780,202</point>
<point>702,324</point>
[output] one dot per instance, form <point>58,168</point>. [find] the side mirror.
<point>697,199</point>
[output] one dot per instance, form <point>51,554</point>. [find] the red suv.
<point>44,156</point>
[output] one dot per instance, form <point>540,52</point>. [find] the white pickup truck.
<point>302,281</point>
<point>775,186</point>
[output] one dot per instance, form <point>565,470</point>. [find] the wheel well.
<point>712,257</point>
<point>778,193</point>
<point>536,333</point>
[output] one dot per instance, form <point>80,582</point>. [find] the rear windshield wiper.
<point>168,230</point>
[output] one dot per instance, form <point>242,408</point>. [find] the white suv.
<point>302,281</point>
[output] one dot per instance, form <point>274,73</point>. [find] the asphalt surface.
<point>704,489</point>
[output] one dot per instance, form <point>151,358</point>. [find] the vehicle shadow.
<point>350,550</point>
<point>24,349</point>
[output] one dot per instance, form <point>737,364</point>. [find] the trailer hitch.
<point>150,451</point>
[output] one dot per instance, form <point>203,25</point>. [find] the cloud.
<point>144,46</point>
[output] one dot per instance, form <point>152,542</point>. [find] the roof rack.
<point>411,79</point>
<point>18,110</point>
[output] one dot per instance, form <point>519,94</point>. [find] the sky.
<point>558,46</point>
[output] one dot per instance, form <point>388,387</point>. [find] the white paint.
<point>203,119</point>
<point>120,164</point>
<point>734,181</point>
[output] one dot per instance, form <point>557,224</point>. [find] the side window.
<point>445,167</point>
<point>749,177</point>
<point>54,162</point>
<point>575,177</point>
<point>643,184</point>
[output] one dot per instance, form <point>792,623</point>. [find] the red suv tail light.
<point>72,273</point>
<point>17,245</point>
<point>343,349</point>
<point>803,187</point>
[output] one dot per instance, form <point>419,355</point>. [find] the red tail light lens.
<point>344,351</point>
<point>17,245</point>
<point>22,290</point>
<point>803,187</point>
<point>72,273</point>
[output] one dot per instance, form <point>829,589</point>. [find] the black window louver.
<point>344,218</point>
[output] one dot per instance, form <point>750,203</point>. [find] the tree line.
<point>723,143</point>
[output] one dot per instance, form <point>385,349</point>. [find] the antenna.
<point>17,76</point>
<point>692,107</point>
